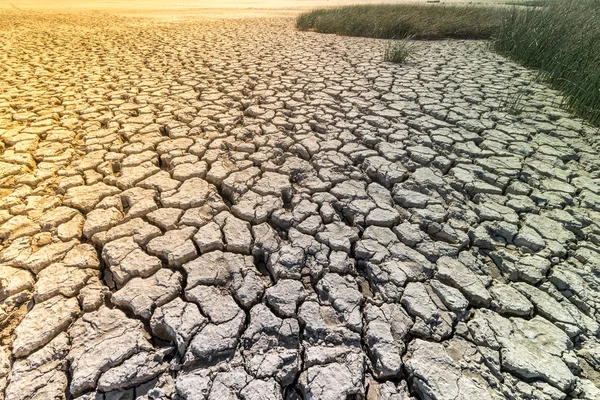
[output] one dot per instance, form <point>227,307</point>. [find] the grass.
<point>513,103</point>
<point>397,21</point>
<point>562,40</point>
<point>398,51</point>
<point>528,3</point>
<point>559,38</point>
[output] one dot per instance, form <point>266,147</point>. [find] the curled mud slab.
<point>234,209</point>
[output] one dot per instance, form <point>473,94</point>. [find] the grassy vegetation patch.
<point>528,3</point>
<point>397,21</point>
<point>398,51</point>
<point>561,39</point>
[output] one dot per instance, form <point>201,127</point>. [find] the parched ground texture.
<point>233,209</point>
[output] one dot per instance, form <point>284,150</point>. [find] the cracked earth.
<point>232,209</point>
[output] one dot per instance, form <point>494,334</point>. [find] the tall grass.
<point>398,51</point>
<point>562,40</point>
<point>397,21</point>
<point>527,3</point>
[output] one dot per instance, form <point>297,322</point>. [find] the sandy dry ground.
<point>223,209</point>
<point>180,9</point>
<point>191,4</point>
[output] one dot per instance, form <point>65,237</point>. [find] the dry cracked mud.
<point>233,209</point>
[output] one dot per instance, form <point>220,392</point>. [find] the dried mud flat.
<point>234,209</point>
